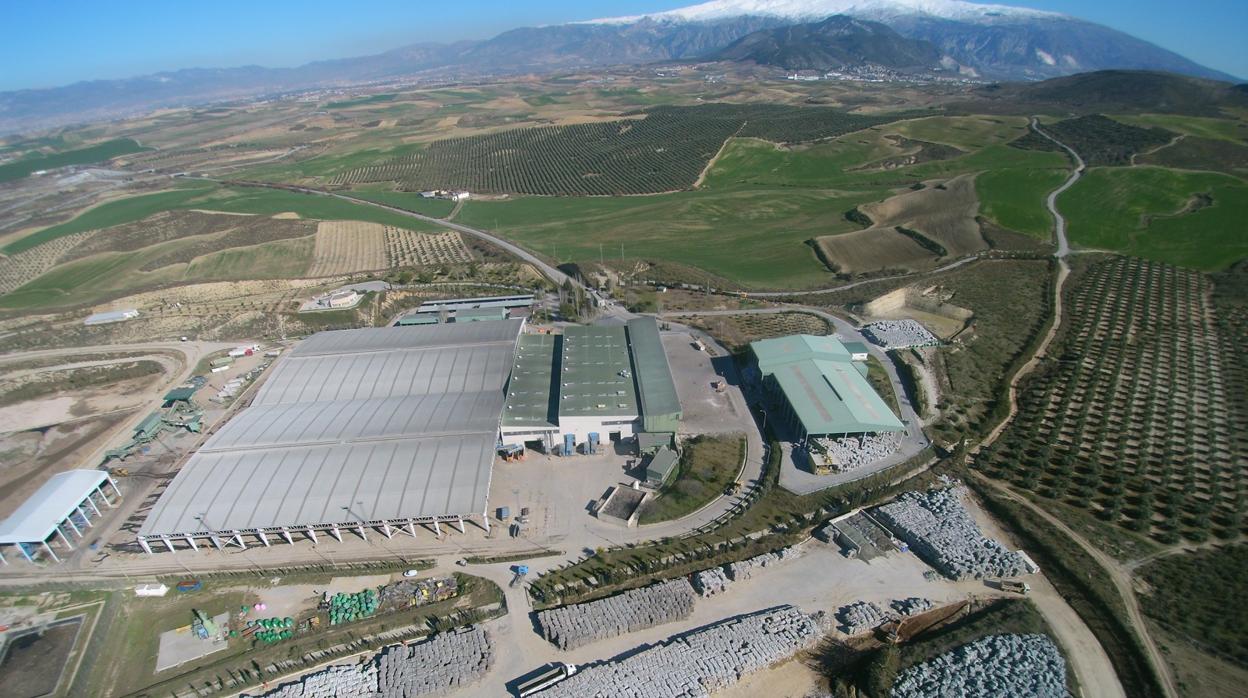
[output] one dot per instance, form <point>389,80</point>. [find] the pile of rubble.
<point>577,625</point>
<point>912,606</point>
<point>699,663</point>
<point>861,617</point>
<point>445,662</point>
<point>937,526</point>
<point>716,579</point>
<point>899,334</point>
<point>711,582</point>
<point>851,452</point>
<point>997,665</point>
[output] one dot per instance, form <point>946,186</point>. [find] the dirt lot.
<point>33,664</point>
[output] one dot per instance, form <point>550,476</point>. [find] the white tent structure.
<point>63,503</point>
<point>378,428</point>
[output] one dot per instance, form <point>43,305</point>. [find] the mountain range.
<point>993,42</point>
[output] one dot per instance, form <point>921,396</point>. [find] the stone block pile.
<point>569,627</point>
<point>991,667</point>
<point>711,582</point>
<point>937,526</point>
<point>852,452</point>
<point>744,569</point>
<point>449,661</point>
<point>899,334</point>
<point>438,665</point>
<point>861,616</point>
<point>912,606</point>
<point>699,663</point>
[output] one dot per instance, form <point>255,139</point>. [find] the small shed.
<point>649,442</point>
<point>857,351</point>
<point>180,394</point>
<point>661,466</point>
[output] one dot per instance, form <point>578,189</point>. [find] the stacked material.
<point>332,682</point>
<point>745,568</point>
<point>997,665</point>
<point>711,582</point>
<point>699,663</point>
<point>899,334</point>
<point>851,452</point>
<point>447,661</point>
<point>912,606</point>
<point>576,625</point>
<point>938,527</point>
<point>861,616</point>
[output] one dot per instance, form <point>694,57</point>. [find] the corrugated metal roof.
<point>821,382</point>
<point>595,377</point>
<point>38,517</point>
<point>655,386</point>
<point>530,398</point>
<point>392,423</point>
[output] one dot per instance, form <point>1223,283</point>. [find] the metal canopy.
<point>51,504</point>
<point>354,426</point>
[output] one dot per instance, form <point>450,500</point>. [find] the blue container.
<point>504,513</point>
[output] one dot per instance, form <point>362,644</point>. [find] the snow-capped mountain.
<point>996,41</point>
<point>806,10</point>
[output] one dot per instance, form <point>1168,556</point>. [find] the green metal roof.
<point>654,376</point>
<point>661,465</point>
<point>479,314</point>
<point>530,394</point>
<point>824,387</point>
<point>856,347</point>
<point>418,319</point>
<point>179,394</point>
<point>150,424</point>
<point>596,376</point>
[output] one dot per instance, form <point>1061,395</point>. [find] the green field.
<point>411,201</point>
<point>1153,213</point>
<point>1014,198</point>
<point>361,101</point>
<point>1201,126</point>
<point>260,201</point>
<point>82,156</point>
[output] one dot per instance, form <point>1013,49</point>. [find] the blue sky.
<point>48,43</point>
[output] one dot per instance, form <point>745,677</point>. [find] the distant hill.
<point>1111,91</point>
<point>836,42</point>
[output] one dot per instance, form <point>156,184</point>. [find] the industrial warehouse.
<point>381,428</point>
<point>822,386</point>
<point>392,428</point>
<point>590,384</point>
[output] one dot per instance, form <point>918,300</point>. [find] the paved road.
<point>846,287</point>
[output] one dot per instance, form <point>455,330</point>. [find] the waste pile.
<point>937,526</point>
<point>418,592</point>
<point>996,665</point>
<point>344,608</point>
<point>445,662</point>
<point>577,625</point>
<point>861,616</point>
<point>699,663</point>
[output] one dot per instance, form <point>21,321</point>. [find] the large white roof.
<point>51,504</point>
<point>379,424</point>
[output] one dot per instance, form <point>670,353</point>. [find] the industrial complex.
<point>384,428</point>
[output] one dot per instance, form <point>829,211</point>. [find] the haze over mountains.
<point>992,42</point>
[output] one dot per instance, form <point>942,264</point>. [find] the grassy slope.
<point>82,156</point>
<point>1014,198</point>
<point>1107,209</point>
<point>411,201</point>
<point>1204,127</point>
<point>707,466</point>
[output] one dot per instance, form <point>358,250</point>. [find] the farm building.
<point>417,319</point>
<point>480,314</point>
<point>111,316</point>
<point>378,428</point>
<point>824,392</point>
<point>64,503</point>
<point>522,300</point>
<point>590,383</point>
